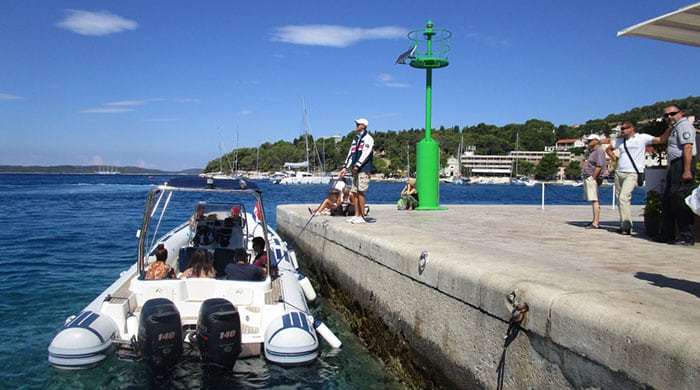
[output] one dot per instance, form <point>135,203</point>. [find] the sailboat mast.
<point>306,135</point>
<point>459,157</point>
<point>408,163</point>
<point>235,164</point>
<point>517,140</point>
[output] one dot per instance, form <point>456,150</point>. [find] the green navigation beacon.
<point>428,51</point>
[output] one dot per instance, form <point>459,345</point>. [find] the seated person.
<point>159,269</point>
<point>340,185</point>
<point>331,205</point>
<point>347,202</point>
<point>200,266</point>
<point>410,195</point>
<point>199,215</point>
<point>235,212</point>
<point>234,217</point>
<point>239,269</point>
<point>260,254</point>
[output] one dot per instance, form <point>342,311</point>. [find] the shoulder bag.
<point>640,175</point>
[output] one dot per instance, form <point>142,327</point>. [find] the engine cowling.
<point>219,332</point>
<point>160,333</point>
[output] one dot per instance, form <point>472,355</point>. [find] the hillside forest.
<point>394,148</point>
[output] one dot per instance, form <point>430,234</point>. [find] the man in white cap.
<point>593,173</point>
<point>359,161</point>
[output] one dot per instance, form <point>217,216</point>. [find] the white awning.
<point>682,26</point>
<point>296,165</point>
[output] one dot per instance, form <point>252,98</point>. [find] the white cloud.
<point>127,105</point>
<point>107,110</point>
<point>9,96</point>
<point>334,36</point>
<point>186,100</point>
<point>95,23</point>
<point>245,112</point>
<point>130,103</point>
<point>387,80</point>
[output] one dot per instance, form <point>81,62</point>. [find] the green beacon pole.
<point>428,51</point>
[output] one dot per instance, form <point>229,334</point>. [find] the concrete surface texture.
<point>605,310</point>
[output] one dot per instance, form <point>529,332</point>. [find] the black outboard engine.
<point>160,333</point>
<point>219,332</point>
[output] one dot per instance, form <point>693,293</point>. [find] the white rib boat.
<point>219,320</point>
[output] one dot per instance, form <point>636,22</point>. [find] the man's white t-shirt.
<point>637,146</point>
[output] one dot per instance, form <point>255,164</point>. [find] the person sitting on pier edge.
<point>409,196</point>
<point>239,269</point>
<point>347,202</point>
<point>331,205</point>
<point>159,269</point>
<point>593,173</point>
<point>200,266</point>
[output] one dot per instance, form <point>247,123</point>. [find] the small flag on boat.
<point>256,212</point>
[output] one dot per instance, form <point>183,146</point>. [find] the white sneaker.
<point>349,220</point>
<point>358,220</point>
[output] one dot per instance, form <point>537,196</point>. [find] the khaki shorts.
<point>590,189</point>
<point>360,182</point>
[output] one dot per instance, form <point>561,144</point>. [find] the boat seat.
<point>232,233</point>
<point>222,256</point>
<point>184,256</point>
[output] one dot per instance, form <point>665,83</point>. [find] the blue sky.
<point>166,84</point>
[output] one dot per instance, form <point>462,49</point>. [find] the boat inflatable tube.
<point>291,339</point>
<point>219,332</point>
<point>308,289</point>
<point>84,342</point>
<point>160,333</point>
<point>327,334</point>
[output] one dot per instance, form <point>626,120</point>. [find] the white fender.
<point>132,326</point>
<point>327,334</point>
<point>308,289</point>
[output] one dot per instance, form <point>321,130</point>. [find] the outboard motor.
<point>160,333</point>
<point>219,332</point>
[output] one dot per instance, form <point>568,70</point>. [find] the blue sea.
<point>65,238</point>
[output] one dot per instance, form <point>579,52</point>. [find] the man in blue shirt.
<point>241,270</point>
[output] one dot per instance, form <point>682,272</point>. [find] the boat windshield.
<point>200,213</point>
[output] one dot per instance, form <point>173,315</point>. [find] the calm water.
<point>67,237</point>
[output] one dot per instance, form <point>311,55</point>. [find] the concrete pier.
<point>605,310</point>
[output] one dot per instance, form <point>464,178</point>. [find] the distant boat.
<point>297,176</point>
<point>233,168</point>
<point>301,177</point>
<point>523,181</point>
<point>107,171</point>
